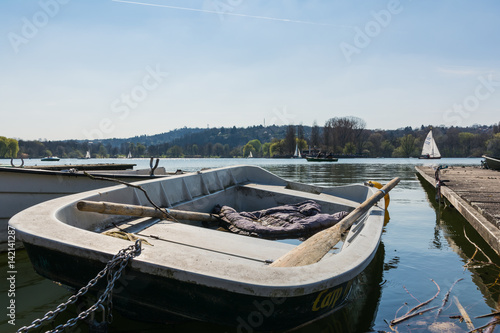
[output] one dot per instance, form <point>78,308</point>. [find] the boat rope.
<point>113,270</point>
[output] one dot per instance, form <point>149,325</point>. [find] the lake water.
<point>422,245</point>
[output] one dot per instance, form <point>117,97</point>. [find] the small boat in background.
<point>297,152</point>
<point>322,157</point>
<point>491,162</point>
<point>430,149</point>
<point>50,159</point>
<point>191,270</point>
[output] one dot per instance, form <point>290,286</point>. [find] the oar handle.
<point>142,211</point>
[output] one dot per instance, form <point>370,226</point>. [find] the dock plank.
<point>475,193</point>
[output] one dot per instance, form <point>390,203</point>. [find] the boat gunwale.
<point>80,174</point>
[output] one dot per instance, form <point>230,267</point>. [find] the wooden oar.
<point>143,211</point>
<point>315,248</point>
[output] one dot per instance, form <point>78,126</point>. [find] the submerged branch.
<point>411,313</point>
<point>464,314</point>
<point>445,298</point>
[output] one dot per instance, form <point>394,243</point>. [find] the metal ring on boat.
<point>12,163</point>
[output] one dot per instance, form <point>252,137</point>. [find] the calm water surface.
<point>422,245</point>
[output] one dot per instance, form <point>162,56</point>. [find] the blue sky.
<point>74,69</point>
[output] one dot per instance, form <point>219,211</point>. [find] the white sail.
<point>88,154</point>
<point>250,155</point>
<point>297,152</point>
<point>129,155</point>
<point>430,148</point>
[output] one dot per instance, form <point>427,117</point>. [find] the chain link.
<point>113,270</point>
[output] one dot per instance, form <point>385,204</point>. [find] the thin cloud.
<point>233,14</point>
<point>465,71</point>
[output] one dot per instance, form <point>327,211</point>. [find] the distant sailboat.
<point>430,149</point>
<point>250,155</point>
<point>297,152</point>
<point>88,154</point>
<point>129,155</point>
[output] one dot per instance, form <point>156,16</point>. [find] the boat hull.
<point>146,297</point>
<point>315,159</point>
<point>429,157</point>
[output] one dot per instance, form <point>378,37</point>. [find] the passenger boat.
<point>190,270</point>
<point>322,159</point>
<point>24,187</point>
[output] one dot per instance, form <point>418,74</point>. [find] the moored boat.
<point>21,188</point>
<point>492,163</point>
<point>191,271</point>
<point>50,159</point>
<point>322,159</point>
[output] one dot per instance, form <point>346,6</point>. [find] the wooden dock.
<point>475,193</point>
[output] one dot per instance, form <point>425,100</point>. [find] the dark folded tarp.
<point>288,221</point>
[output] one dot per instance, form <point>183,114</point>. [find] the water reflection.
<point>476,255</point>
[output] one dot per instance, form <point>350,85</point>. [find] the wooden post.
<point>143,211</point>
<point>315,248</point>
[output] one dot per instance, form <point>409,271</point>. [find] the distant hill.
<point>155,139</point>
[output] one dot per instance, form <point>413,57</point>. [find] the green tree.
<point>493,145</point>
<point>466,139</point>
<point>218,150</point>
<point>256,145</point>
<point>3,146</point>
<point>247,149</point>
<point>407,147</point>
<point>276,148</point>
<point>349,149</point>
<point>265,149</point>
<point>386,148</point>
<point>12,148</point>
<point>140,149</point>
<point>102,152</point>
<point>175,151</point>
<point>195,150</point>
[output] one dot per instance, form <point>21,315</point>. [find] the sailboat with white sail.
<point>430,149</point>
<point>297,152</point>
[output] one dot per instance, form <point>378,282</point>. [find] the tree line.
<point>340,136</point>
